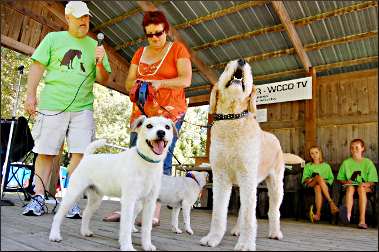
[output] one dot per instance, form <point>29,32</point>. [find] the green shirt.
<point>322,169</point>
<point>366,166</point>
<point>69,62</point>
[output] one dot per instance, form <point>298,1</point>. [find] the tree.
<point>10,61</point>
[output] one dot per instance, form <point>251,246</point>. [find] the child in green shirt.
<point>357,174</point>
<point>318,175</point>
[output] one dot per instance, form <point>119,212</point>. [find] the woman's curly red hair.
<point>155,17</point>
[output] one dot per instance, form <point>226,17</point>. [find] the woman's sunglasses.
<point>157,34</point>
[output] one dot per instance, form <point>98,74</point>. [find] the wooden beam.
<point>122,17</point>
<point>117,19</point>
<point>347,63</point>
<point>309,47</point>
<point>199,100</point>
<point>16,45</point>
<point>297,22</point>
<point>281,11</point>
<point>202,19</point>
<point>203,68</point>
<point>310,122</point>
<point>118,63</point>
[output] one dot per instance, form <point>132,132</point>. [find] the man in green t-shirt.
<point>72,61</point>
<point>356,173</point>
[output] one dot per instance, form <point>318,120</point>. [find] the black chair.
<point>20,155</point>
<point>371,198</point>
<point>290,206</point>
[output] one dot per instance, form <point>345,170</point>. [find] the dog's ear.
<point>213,100</point>
<point>174,130</point>
<point>252,106</point>
<point>138,123</point>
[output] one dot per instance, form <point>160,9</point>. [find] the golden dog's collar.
<point>219,117</point>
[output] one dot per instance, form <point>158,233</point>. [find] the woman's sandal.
<point>311,214</point>
<point>113,217</point>
<point>362,226</point>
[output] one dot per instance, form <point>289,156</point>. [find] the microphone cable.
<point>76,94</point>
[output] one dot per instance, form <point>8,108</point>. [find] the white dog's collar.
<point>190,175</point>
<point>147,158</point>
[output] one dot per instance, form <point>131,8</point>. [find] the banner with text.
<point>283,91</point>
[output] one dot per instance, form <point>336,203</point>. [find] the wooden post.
<point>310,115</point>
<point>210,120</point>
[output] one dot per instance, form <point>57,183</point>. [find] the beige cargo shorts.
<point>49,132</point>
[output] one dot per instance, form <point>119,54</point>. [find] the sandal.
<point>362,226</point>
<point>311,214</point>
<point>113,217</point>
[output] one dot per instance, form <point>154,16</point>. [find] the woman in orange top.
<point>168,67</point>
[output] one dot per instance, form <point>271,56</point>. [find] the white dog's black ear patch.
<point>138,123</point>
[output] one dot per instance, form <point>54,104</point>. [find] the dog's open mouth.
<point>157,146</point>
<point>237,79</point>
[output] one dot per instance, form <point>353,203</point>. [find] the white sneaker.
<point>74,212</point>
<point>36,206</point>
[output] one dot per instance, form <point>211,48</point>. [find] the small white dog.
<point>180,192</point>
<point>132,175</point>
<point>242,154</point>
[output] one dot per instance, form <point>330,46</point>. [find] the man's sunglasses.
<point>157,34</point>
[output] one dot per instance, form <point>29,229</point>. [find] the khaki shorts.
<point>49,132</point>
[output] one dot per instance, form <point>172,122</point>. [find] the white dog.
<point>242,154</point>
<point>132,175</point>
<point>180,192</point>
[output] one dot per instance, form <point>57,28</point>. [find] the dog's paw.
<point>211,240</point>
<point>245,246</point>
<point>55,237</point>
<point>276,235</point>
<point>189,231</point>
<point>86,232</point>
<point>235,231</point>
<point>127,248</point>
<point>149,247</point>
<point>176,230</point>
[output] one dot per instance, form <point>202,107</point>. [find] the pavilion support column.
<point>310,125</point>
<point>210,120</point>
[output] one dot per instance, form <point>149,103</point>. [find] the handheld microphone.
<point>100,39</point>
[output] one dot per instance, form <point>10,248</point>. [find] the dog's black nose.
<point>241,62</point>
<point>161,133</point>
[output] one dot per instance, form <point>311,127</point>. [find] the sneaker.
<point>74,212</point>
<point>36,206</point>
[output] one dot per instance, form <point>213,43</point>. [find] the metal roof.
<point>352,18</point>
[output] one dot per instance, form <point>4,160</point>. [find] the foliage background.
<point>111,111</point>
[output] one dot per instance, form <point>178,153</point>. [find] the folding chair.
<point>15,156</point>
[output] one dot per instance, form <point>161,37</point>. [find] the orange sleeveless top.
<point>172,99</point>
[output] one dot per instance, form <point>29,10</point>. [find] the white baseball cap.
<point>77,9</point>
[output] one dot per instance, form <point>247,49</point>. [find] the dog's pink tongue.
<point>158,146</point>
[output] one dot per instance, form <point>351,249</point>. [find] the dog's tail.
<point>290,158</point>
<point>91,148</point>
